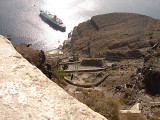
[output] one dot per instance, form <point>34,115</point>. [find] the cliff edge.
<point>26,93</point>
<point>126,35</point>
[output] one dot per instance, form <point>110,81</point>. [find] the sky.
<point>73,12</point>
<point>95,7</point>
<point>145,7</point>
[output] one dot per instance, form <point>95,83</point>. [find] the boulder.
<point>93,62</point>
<point>35,57</point>
<point>27,94</point>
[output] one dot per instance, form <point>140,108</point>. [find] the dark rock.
<point>65,66</point>
<point>119,55</point>
<point>48,67</point>
<point>134,54</point>
<point>100,74</point>
<point>93,62</point>
<point>35,57</point>
<point>151,74</point>
<point>139,70</point>
<point>114,65</point>
<point>119,87</point>
<point>129,85</point>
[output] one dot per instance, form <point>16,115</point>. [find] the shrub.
<point>123,101</point>
<point>79,89</point>
<point>87,80</point>
<point>157,113</point>
<point>103,84</point>
<point>155,116</point>
<point>132,75</point>
<point>59,74</point>
<point>80,73</point>
<point>61,82</point>
<point>131,116</point>
<point>128,92</point>
<point>108,107</point>
<point>96,100</point>
<point>56,73</point>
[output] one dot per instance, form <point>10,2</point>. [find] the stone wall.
<point>93,62</point>
<point>26,93</point>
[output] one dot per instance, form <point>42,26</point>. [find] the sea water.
<point>20,18</point>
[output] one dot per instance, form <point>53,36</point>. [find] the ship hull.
<point>52,23</point>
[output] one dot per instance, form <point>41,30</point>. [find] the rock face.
<point>151,73</point>
<point>26,93</point>
<point>35,57</point>
<point>93,62</point>
<point>123,35</point>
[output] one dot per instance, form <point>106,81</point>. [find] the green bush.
<point>59,74</point>
<point>123,101</point>
<point>56,73</point>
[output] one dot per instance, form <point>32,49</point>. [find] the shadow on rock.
<point>35,57</point>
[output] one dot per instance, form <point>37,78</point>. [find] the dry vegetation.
<point>108,107</point>
<point>57,75</point>
<point>129,116</point>
<point>96,100</point>
<point>102,99</point>
<point>156,115</point>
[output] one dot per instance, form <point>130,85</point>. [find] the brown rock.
<point>116,33</point>
<point>35,57</point>
<point>151,73</point>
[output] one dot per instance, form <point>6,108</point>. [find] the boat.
<point>52,20</point>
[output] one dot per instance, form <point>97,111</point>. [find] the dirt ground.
<point>120,74</point>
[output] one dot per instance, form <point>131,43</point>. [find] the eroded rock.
<point>124,35</point>
<point>35,57</point>
<point>151,73</point>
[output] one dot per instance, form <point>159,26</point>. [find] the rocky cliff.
<point>35,57</point>
<point>151,72</point>
<point>26,93</point>
<point>125,35</point>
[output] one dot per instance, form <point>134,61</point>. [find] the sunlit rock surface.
<point>26,93</point>
<point>116,35</point>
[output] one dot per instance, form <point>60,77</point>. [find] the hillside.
<point>26,93</point>
<point>125,35</point>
